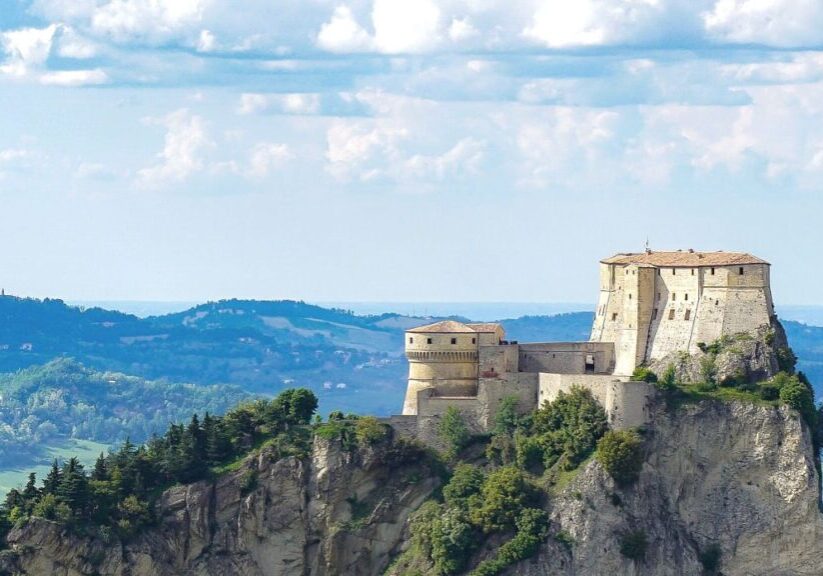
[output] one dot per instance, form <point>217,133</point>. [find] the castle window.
<point>717,302</point>
<point>688,314</point>
<point>614,316</point>
<point>674,271</point>
<point>674,296</point>
<point>687,297</point>
<point>474,340</point>
<point>630,296</point>
<point>692,271</point>
<point>654,314</point>
<point>671,314</point>
<point>658,296</point>
<point>454,340</point>
<point>428,340</point>
<point>712,271</point>
<point>411,340</point>
<point>740,271</point>
<point>658,271</point>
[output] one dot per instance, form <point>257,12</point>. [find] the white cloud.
<point>185,141</point>
<point>464,158</point>
<point>71,44</point>
<point>558,24</point>
<point>207,41</point>
<point>461,29</point>
<point>770,22</point>
<point>152,20</point>
<point>14,154</point>
<point>74,78</point>
<point>409,26</point>
<point>26,49</point>
<point>296,103</point>
<point>266,156</point>
<point>406,25</point>
<point>360,150</point>
<point>343,33</point>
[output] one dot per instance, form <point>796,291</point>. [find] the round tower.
<point>442,356</point>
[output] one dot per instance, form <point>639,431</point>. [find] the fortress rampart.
<point>650,305</point>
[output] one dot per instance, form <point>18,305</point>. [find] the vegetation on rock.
<point>117,494</point>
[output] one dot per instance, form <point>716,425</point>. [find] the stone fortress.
<point>651,305</point>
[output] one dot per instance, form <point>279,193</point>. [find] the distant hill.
<point>45,405</point>
<point>353,362</point>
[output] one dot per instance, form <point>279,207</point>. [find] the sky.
<point>402,150</point>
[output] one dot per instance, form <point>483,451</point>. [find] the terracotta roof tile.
<point>684,258</point>
<point>485,326</point>
<point>444,327</point>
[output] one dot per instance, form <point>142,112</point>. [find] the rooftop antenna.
<point>648,250</point>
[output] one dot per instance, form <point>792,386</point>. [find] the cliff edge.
<point>733,480</point>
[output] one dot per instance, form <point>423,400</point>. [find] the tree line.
<point>116,496</point>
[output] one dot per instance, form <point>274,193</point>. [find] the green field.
<point>86,450</point>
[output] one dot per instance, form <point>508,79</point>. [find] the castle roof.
<point>485,326</point>
<point>444,327</point>
<point>684,258</point>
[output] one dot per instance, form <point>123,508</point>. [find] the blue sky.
<point>402,150</point>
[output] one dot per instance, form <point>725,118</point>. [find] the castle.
<point>651,305</point>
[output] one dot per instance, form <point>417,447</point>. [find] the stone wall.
<point>651,312</point>
<point>566,357</point>
<point>626,403</point>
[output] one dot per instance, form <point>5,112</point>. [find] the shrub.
<point>529,452</point>
<point>466,481</point>
<point>452,541</point>
<point>668,381</point>
<point>798,395</point>
<point>633,545</point>
<point>453,431</point>
<point>708,373</point>
<point>506,419</point>
<point>621,454</point>
<point>643,374</point>
<point>532,528</point>
<point>786,359</point>
<point>569,427</point>
<point>503,495</point>
<point>369,430</point>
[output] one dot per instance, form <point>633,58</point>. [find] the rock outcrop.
<point>735,478</point>
<point>745,357</point>
<point>338,512</point>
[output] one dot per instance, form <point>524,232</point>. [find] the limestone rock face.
<point>750,357</point>
<point>731,475</point>
<point>291,524</point>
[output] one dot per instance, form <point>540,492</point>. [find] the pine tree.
<point>30,492</point>
<point>74,488</point>
<point>52,480</point>
<point>100,472</point>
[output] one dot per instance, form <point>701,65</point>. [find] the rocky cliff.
<point>734,478</point>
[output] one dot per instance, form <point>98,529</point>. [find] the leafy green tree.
<point>621,454</point>
<point>466,481</point>
<point>503,495</point>
<point>507,418</point>
<point>452,541</point>
<point>453,431</point>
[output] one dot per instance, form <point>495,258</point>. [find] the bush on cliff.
<point>620,452</point>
